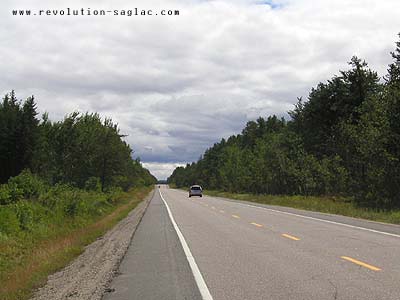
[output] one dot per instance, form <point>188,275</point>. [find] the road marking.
<point>360,263</point>
<point>236,216</point>
<point>312,218</point>
<point>317,219</point>
<point>256,224</point>
<point>290,237</point>
<point>201,284</point>
<point>221,211</point>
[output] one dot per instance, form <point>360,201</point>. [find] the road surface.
<point>233,250</point>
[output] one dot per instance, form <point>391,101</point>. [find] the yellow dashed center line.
<point>291,237</point>
<point>360,263</point>
<point>355,261</point>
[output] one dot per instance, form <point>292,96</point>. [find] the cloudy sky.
<point>178,84</point>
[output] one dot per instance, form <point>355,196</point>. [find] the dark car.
<point>195,190</point>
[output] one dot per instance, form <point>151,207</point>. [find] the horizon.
<point>177,84</point>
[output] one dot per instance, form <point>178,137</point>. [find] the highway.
<point>214,248</point>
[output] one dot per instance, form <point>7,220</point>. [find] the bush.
<point>93,184</point>
<point>71,209</point>
<point>25,214</point>
<point>5,194</point>
<point>54,204</point>
<point>121,181</point>
<point>11,193</point>
<point>26,185</point>
<point>113,195</point>
<point>9,223</point>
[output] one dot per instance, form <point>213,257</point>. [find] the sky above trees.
<point>175,85</point>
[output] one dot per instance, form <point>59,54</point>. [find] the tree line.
<point>343,140</point>
<point>82,150</point>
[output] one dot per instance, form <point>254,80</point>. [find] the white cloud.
<point>162,170</point>
<point>178,84</point>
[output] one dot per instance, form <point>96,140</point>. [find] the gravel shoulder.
<point>90,274</point>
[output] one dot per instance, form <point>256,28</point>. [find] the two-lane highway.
<point>248,252</point>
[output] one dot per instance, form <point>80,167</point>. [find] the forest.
<point>344,140</point>
<point>62,185</point>
<point>53,171</point>
<point>80,150</point>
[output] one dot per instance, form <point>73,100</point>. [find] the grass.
<point>28,260</point>
<point>331,205</point>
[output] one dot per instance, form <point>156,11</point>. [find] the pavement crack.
<point>335,294</point>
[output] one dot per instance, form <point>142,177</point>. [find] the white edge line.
<point>321,220</point>
<point>201,284</point>
<point>312,218</point>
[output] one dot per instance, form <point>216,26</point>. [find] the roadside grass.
<point>331,205</point>
<point>26,260</point>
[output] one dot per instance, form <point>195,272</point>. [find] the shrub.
<point>113,195</point>
<point>5,194</point>
<point>26,185</point>
<point>9,223</point>
<point>25,214</point>
<point>14,193</point>
<point>121,181</point>
<point>55,195</point>
<point>71,209</point>
<point>93,184</point>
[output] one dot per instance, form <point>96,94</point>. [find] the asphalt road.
<point>253,251</point>
<point>155,266</point>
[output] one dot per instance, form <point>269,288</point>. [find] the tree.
<point>18,135</point>
<point>344,140</point>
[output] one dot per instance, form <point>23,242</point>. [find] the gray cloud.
<point>176,85</point>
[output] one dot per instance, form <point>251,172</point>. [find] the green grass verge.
<point>27,259</point>
<point>331,205</point>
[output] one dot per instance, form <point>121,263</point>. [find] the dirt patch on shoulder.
<point>89,275</point>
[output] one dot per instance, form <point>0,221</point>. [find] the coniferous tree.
<point>344,140</point>
<point>18,135</point>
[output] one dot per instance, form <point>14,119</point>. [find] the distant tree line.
<point>83,150</point>
<point>344,140</point>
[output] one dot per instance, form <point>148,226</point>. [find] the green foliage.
<point>333,205</point>
<point>25,212</point>
<point>10,193</point>
<point>31,234</point>
<point>18,135</point>
<point>72,151</point>
<point>9,223</point>
<point>317,120</point>
<point>29,184</point>
<point>5,194</point>
<point>56,177</point>
<point>24,186</point>
<point>84,147</point>
<point>93,184</point>
<point>80,167</point>
<point>56,205</point>
<point>343,141</point>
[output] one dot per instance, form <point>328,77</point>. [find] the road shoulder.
<point>89,275</point>
<point>155,265</point>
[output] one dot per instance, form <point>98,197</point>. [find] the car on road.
<point>195,190</point>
